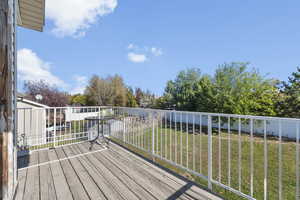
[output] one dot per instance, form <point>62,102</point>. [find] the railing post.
<point>54,127</point>
<point>209,126</point>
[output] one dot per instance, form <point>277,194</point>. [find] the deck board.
<point>168,178</point>
<point>160,179</point>
<point>73,181</point>
<point>21,184</point>
<point>118,186</point>
<point>74,172</point>
<point>61,186</point>
<point>32,184</point>
<point>141,192</point>
<point>102,183</point>
<point>91,187</point>
<point>47,189</point>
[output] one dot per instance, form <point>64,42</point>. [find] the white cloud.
<point>74,17</point>
<point>131,46</point>
<point>136,58</point>
<point>156,51</point>
<point>33,68</point>
<point>81,82</point>
<point>141,54</point>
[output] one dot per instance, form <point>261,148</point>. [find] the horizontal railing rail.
<point>253,157</point>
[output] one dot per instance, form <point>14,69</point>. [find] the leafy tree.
<point>106,91</point>
<point>289,96</point>
<point>119,90</point>
<point>144,99</point>
<point>138,95</point>
<point>232,89</point>
<point>99,92</point>
<point>51,96</point>
<point>205,95</point>
<point>79,99</point>
<point>131,101</point>
<point>181,91</point>
<point>243,91</point>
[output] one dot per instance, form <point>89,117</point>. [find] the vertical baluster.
<point>297,162</point>
<point>194,143</point>
<point>181,139</point>
<point>60,129</point>
<point>170,132</point>
<point>265,162</point>
<point>54,126</point>
<point>229,153</point>
<point>149,133</point>
<point>280,162</point>
<point>124,127</point>
<point>187,140</point>
<point>157,131</point>
<point>166,135</point>
<point>220,148</point>
<point>209,126</point>
<point>200,142</point>
<point>32,136</point>
<point>161,137</point>
<point>251,157</point>
<point>175,119</point>
<point>240,156</point>
<point>153,134</point>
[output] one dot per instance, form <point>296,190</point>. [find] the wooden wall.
<point>7,84</point>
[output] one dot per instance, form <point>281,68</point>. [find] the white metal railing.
<point>40,128</point>
<point>254,157</point>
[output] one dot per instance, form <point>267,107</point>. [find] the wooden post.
<point>7,98</point>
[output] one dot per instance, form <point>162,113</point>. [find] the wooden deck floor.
<point>73,172</point>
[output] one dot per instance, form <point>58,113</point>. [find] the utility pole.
<point>7,98</point>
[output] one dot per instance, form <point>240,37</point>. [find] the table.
<point>102,119</point>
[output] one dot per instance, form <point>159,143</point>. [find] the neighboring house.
<point>31,122</point>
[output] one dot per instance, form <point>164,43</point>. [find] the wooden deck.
<point>74,172</point>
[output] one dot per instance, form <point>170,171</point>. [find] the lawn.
<point>193,154</point>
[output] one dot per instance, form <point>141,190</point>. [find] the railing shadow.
<point>181,191</point>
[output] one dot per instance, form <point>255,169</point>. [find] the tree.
<point>204,99</point>
<point>232,89</point>
<point>181,91</point>
<point>106,91</point>
<point>78,99</point>
<point>289,96</point>
<point>120,91</point>
<point>144,99</point>
<point>51,96</point>
<point>243,91</point>
<point>138,95</point>
<point>99,92</point>
<point>131,101</point>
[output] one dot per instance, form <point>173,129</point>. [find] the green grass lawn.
<point>194,155</point>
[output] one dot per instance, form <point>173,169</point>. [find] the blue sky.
<point>148,42</point>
